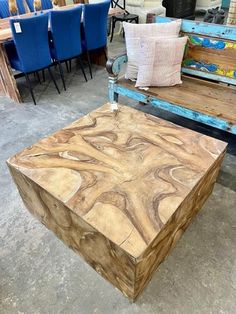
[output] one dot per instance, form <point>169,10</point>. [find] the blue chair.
<point>95,28</point>
<point>66,37</point>
<point>31,51</point>
<point>4,8</point>
<point>46,4</point>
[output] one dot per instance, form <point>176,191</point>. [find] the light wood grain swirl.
<point>125,173</point>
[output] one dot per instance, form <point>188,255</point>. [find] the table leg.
<point>98,56</point>
<point>8,85</point>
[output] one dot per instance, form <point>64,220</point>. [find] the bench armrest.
<point>113,65</point>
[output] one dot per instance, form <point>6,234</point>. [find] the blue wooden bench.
<point>208,92</point>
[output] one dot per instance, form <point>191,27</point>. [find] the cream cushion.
<point>160,62</point>
<point>134,33</point>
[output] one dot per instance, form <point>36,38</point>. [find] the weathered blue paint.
<point>202,28</point>
<point>130,93</point>
<point>116,67</point>
<point>210,76</point>
<point>190,114</point>
<point>233,129</point>
<point>225,4</point>
<point>113,96</point>
<point>181,111</point>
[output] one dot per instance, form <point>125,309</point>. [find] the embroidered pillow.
<point>135,32</point>
<point>160,62</point>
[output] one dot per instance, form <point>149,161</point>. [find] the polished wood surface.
<point>198,95</point>
<point>119,188</point>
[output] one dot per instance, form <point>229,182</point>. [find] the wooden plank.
<point>198,95</point>
<point>211,50</point>
<point>212,56</point>
<point>7,81</point>
<point>145,174</point>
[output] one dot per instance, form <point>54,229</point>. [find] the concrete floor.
<point>38,274</point>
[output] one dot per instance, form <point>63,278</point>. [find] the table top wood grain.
<point>125,173</point>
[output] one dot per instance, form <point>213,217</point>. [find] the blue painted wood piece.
<point>116,67</point>
<point>202,28</point>
<point>181,111</point>
<point>210,76</point>
<point>221,38</point>
<point>225,4</point>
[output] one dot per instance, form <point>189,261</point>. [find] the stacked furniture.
<point>180,8</point>
<point>143,8</point>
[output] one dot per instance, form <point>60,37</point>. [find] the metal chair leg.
<point>53,79</point>
<point>113,24</point>
<point>67,67</point>
<point>70,64</point>
<point>82,68</point>
<point>38,77</point>
<point>62,75</point>
<point>89,64</point>
<point>30,87</point>
<point>43,74</point>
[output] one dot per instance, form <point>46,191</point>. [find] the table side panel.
<point>7,81</point>
<point>175,227</point>
<point>109,260</point>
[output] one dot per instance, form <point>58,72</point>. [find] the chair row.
<point>36,48</point>
<point>5,10</point>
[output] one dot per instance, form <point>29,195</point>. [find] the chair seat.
<point>125,17</point>
<point>13,56</point>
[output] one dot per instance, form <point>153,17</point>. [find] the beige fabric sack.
<point>160,62</point>
<point>135,32</point>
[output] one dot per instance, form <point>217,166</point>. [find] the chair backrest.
<point>95,24</point>
<point>46,4</point>
<point>4,8</point>
<point>210,52</point>
<point>32,42</point>
<point>66,32</point>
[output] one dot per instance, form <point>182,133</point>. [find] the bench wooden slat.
<point>198,95</point>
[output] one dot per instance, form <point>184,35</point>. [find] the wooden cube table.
<point>119,188</point>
